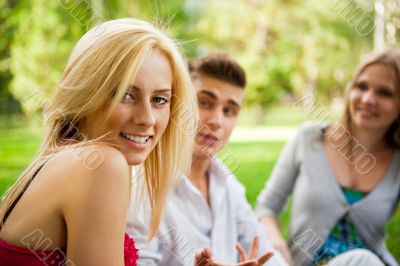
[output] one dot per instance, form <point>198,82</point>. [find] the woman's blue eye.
<point>385,92</point>
<point>361,86</point>
<point>160,100</point>
<point>128,96</point>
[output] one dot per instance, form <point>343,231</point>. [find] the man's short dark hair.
<point>219,66</point>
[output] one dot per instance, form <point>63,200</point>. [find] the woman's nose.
<point>143,115</point>
<point>369,97</point>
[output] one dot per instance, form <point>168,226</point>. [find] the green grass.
<point>283,115</point>
<point>255,161</point>
<point>19,140</point>
<point>252,163</point>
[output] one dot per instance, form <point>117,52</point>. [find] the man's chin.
<point>204,154</point>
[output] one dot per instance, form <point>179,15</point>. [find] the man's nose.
<point>215,118</point>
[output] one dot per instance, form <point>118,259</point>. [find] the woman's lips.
<point>135,141</point>
<point>365,113</point>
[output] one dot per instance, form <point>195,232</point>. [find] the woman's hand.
<point>275,237</point>
<point>281,245</point>
<point>204,257</point>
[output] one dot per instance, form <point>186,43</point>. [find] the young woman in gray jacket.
<point>344,177</point>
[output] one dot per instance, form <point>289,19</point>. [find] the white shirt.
<point>189,224</point>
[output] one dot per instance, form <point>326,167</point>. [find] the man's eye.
<point>229,112</point>
<point>204,104</point>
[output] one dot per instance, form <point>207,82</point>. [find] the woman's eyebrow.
<point>163,90</point>
<point>134,87</point>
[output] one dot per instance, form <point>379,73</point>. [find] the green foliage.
<point>288,48</point>
<point>43,38</point>
<point>174,17</point>
<point>7,27</point>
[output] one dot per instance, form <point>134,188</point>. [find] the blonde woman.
<point>121,101</point>
<point>345,177</point>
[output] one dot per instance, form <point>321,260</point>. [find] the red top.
<point>11,255</point>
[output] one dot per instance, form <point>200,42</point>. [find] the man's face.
<point>219,106</point>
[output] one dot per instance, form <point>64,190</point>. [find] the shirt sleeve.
<point>248,227</point>
<point>279,186</point>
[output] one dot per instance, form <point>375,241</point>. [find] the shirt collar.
<point>218,172</point>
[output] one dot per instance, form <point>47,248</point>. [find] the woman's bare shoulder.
<point>89,167</point>
<point>95,197</point>
<point>89,159</point>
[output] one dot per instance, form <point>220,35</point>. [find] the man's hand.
<point>250,257</point>
<point>204,256</point>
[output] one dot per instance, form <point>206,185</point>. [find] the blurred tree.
<point>43,38</point>
<point>176,17</point>
<point>379,33</point>
<point>8,104</point>
<point>45,33</point>
<point>289,48</point>
<point>392,8</point>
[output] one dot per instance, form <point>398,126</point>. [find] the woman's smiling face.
<point>374,99</point>
<point>141,117</point>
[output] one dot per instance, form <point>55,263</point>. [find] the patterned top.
<point>344,236</point>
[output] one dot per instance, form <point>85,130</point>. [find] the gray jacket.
<point>318,202</point>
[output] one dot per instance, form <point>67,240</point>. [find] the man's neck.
<point>199,176</point>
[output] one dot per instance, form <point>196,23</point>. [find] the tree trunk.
<point>8,103</point>
<point>379,33</point>
<point>97,6</point>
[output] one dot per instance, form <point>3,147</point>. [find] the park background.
<point>294,51</point>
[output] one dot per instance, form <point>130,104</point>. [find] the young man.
<point>209,207</point>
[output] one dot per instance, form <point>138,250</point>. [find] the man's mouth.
<point>209,138</point>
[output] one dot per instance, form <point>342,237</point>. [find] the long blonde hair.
<point>390,58</point>
<point>100,69</point>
